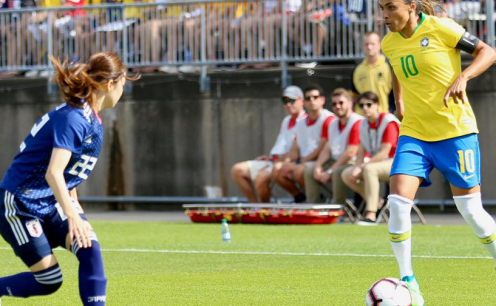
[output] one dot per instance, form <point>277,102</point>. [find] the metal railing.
<point>206,32</point>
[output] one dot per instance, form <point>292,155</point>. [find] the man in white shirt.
<point>342,149</point>
<point>255,176</point>
<point>309,141</point>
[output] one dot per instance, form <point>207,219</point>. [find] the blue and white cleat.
<point>414,287</point>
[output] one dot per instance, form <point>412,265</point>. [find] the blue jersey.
<point>75,129</point>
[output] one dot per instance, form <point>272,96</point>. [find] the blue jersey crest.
<point>75,129</point>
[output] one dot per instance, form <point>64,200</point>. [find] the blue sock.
<point>92,281</point>
<point>408,278</point>
<point>30,284</point>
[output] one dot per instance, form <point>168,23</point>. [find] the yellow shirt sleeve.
<point>451,32</point>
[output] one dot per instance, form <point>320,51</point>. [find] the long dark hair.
<point>369,95</point>
<point>427,7</point>
<point>78,82</point>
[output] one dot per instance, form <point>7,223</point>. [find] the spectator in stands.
<point>217,24</point>
<point>311,25</point>
<point>378,139</point>
<point>170,33</point>
<point>18,46</point>
<point>261,26</point>
<point>310,139</point>
<point>373,74</point>
<point>259,172</point>
<point>461,10</point>
<point>343,142</point>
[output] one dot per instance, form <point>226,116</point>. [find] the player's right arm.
<point>74,196</point>
<point>78,228</point>
<point>324,156</point>
<point>398,97</point>
<point>293,154</point>
<point>357,169</point>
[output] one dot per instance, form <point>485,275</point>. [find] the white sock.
<point>483,225</point>
<point>400,230</point>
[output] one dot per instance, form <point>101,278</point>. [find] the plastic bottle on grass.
<point>224,230</point>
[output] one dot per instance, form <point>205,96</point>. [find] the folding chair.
<point>349,208</point>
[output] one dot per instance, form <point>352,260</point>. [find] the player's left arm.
<point>78,228</point>
<point>398,97</point>
<point>350,152</point>
<point>351,148</point>
<point>74,196</point>
<point>484,57</point>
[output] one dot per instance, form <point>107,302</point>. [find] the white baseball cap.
<point>292,92</point>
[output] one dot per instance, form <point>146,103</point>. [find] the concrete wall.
<point>175,140</point>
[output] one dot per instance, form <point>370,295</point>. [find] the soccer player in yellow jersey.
<point>438,128</point>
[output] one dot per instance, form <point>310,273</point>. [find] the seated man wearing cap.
<point>310,139</point>
<point>257,174</point>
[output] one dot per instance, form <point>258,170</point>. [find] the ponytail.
<point>75,84</point>
<point>427,7</point>
<point>80,82</point>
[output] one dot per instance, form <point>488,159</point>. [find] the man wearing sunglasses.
<point>309,140</point>
<point>343,141</point>
<point>257,174</point>
<point>378,139</point>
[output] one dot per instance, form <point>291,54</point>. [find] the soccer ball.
<point>388,292</point>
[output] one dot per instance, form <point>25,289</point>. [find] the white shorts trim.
<point>15,223</point>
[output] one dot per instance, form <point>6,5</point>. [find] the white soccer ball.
<point>388,292</point>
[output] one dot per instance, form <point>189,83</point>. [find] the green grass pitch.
<point>187,264</point>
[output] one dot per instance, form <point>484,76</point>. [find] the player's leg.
<point>92,280</point>
<point>465,185</point>
<point>373,173</point>
<point>288,184</point>
<point>357,186</point>
<point>312,186</point>
<point>469,204</point>
<point>338,185</point>
<point>411,168</point>
<point>262,184</point>
<point>240,173</point>
<point>27,238</point>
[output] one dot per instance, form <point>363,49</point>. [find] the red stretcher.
<point>265,213</point>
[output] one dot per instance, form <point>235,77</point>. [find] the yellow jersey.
<point>51,3</point>
<point>426,64</point>
<point>375,77</point>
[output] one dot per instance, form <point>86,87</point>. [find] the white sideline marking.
<point>277,253</point>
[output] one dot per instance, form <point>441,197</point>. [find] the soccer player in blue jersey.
<point>39,210</point>
<point>439,128</point>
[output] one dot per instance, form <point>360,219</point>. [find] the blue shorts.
<point>458,159</point>
<point>31,237</point>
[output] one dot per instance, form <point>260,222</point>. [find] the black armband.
<point>467,43</point>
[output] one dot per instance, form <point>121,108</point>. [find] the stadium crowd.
<point>165,32</point>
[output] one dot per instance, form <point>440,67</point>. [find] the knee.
<point>368,171</point>
<point>50,279</point>
<point>399,203</point>
<point>345,176</point>
<point>237,170</point>
<point>90,260</point>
